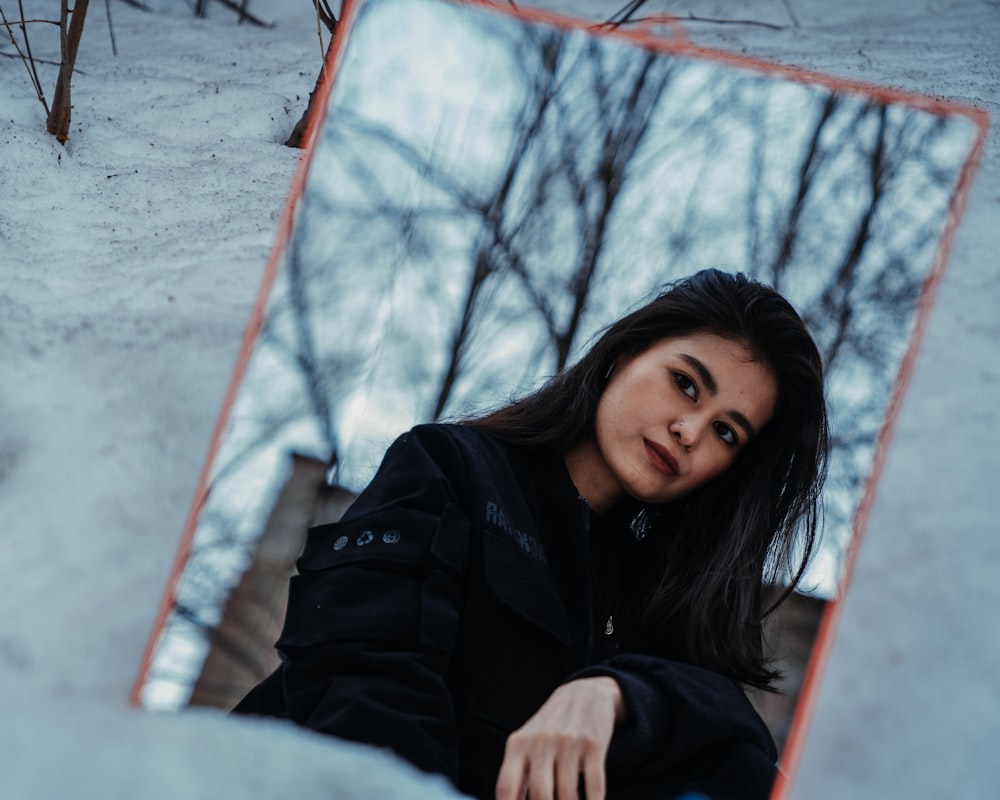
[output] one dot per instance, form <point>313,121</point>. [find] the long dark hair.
<point>711,555</point>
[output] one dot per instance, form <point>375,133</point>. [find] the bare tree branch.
<point>111,29</point>
<point>25,55</point>
<point>807,172</point>
<point>624,14</point>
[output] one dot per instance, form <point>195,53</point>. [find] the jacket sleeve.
<point>678,714</point>
<point>373,612</point>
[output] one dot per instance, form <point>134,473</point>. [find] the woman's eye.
<point>686,385</point>
<point>727,434</point>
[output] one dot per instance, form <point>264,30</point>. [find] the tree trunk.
<point>298,135</point>
<point>59,115</point>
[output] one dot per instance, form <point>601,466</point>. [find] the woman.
<point>562,598</point>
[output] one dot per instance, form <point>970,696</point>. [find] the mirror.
<point>485,192</point>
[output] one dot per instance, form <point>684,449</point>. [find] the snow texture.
<point>129,262</point>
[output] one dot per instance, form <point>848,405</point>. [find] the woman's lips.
<point>661,458</point>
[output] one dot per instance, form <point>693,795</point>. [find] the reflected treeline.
<point>477,210</point>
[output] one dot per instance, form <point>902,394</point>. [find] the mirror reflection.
<point>485,194</point>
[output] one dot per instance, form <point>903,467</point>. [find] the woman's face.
<point>676,415</point>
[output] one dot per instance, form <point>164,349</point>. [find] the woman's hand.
<point>567,737</point>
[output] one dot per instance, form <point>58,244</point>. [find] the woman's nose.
<point>684,431</point>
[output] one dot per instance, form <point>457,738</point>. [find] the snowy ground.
<point>129,261</point>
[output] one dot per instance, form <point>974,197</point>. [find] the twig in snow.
<point>111,30</point>
<point>24,33</point>
<point>201,7</point>
<point>771,25</point>
<point>245,16</point>
<point>791,14</point>
<point>625,13</point>
<point>26,58</point>
<point>40,61</point>
<point>325,15</point>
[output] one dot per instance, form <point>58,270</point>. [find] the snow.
<point>130,260</point>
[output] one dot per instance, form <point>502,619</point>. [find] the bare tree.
<point>70,25</point>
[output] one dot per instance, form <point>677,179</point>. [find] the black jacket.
<point>463,586</point>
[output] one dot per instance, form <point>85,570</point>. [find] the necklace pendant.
<point>610,627</point>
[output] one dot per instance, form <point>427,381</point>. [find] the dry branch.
<point>245,16</point>
<point>201,7</point>
<point>25,55</point>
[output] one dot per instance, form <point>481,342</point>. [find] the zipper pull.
<point>610,627</point>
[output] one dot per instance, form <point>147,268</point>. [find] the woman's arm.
<point>687,729</point>
<point>675,711</point>
<point>373,613</point>
<point>649,723</point>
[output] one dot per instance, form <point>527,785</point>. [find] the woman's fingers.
<point>549,767</point>
<point>568,769</point>
<point>511,780</point>
<point>568,737</point>
<point>541,778</point>
<point>594,779</point>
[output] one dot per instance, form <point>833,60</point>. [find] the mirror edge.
<point>827,633</point>
<point>328,72</point>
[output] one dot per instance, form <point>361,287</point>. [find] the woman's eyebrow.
<point>703,373</point>
<point>743,422</point>
<point>708,380</point>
